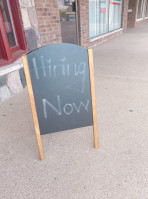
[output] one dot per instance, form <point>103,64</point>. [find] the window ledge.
<point>105,35</point>
<point>139,19</point>
<point>11,67</point>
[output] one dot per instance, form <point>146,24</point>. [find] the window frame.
<point>146,10</point>
<point>10,54</point>
<point>109,31</point>
<point>142,10</point>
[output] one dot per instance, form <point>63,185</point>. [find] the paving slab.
<point>72,168</point>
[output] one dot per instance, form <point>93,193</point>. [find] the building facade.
<point>28,24</point>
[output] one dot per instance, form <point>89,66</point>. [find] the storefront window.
<point>12,38</point>
<point>146,12</point>
<point>7,17</point>
<point>104,16</point>
<point>140,9</point>
<point>115,15</point>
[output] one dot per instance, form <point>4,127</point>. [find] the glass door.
<point>68,20</point>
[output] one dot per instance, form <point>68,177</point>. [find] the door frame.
<point>77,22</point>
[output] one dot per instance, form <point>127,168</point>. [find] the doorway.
<point>68,21</point>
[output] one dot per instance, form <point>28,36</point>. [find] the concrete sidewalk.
<point>72,168</point>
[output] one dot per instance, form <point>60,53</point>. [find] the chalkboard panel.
<point>61,86</point>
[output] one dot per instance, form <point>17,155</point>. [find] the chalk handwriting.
<point>79,85</point>
<point>49,67</point>
<point>62,59</point>
<point>68,108</point>
<point>58,70</point>
<point>50,70</point>
<point>45,103</point>
<point>35,68</point>
<point>81,105</point>
<point>43,66</point>
<point>49,61</point>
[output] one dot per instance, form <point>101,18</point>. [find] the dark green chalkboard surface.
<point>61,86</point>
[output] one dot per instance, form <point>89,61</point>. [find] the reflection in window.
<point>146,11</point>
<point>115,15</point>
<point>7,17</point>
<point>140,9</point>
<point>104,16</point>
<point>98,17</point>
<point>68,21</point>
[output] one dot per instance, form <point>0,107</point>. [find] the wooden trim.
<point>7,54</point>
<point>77,22</point>
<point>16,56</point>
<point>33,107</point>
<point>7,51</point>
<point>2,48</point>
<point>18,24</point>
<point>93,97</point>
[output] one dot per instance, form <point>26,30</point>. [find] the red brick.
<point>48,18</point>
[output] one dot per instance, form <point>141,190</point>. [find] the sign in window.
<point>104,16</point>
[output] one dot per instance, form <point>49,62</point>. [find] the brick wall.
<point>125,14</point>
<point>83,6</point>
<point>132,15</point>
<point>132,23</point>
<point>83,10</point>
<point>48,21</point>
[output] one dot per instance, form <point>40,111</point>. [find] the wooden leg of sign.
<point>33,107</point>
<point>93,97</point>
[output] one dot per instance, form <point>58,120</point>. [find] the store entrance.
<point>68,20</point>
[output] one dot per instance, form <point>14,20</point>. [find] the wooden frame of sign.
<point>33,106</point>
<point>93,97</point>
